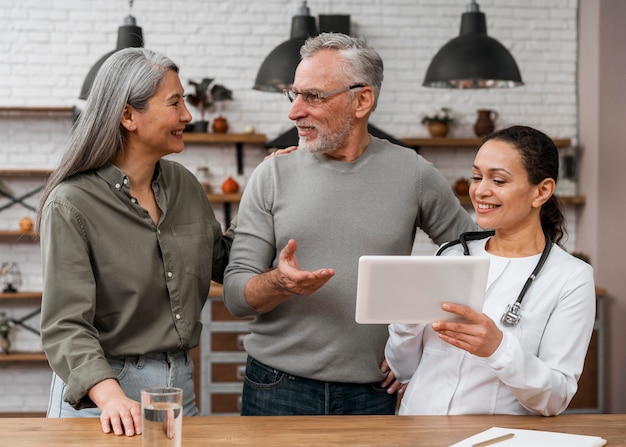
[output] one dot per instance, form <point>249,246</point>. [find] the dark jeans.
<point>269,392</point>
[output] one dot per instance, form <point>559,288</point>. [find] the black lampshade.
<point>473,60</point>
<point>128,35</point>
<point>279,67</point>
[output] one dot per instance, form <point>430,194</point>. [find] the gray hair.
<point>130,76</point>
<point>362,63</point>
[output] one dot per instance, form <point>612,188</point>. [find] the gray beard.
<point>326,142</point>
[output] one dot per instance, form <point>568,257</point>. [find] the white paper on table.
<point>532,438</point>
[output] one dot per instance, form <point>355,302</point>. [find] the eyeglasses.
<point>319,97</point>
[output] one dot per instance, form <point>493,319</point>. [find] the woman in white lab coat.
<point>524,353</point>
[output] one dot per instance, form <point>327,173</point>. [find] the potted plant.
<point>438,122</point>
<point>206,94</point>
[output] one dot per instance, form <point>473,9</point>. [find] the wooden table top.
<point>276,431</point>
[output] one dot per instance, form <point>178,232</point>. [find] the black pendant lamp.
<point>128,35</point>
<point>473,60</point>
<point>279,67</point>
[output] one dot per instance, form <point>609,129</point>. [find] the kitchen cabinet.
<point>225,361</point>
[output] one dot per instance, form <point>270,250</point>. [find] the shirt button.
<point>118,186</point>
<point>177,316</point>
<point>126,181</point>
<point>170,274</point>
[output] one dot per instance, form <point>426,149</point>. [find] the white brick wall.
<point>47,48</point>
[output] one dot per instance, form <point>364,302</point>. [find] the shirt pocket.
<point>196,248</point>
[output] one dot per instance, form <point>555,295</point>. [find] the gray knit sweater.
<point>336,212</point>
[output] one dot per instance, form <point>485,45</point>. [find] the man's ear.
<point>365,101</point>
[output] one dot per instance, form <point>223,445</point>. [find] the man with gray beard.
<point>341,195</point>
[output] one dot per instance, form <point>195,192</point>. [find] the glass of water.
<point>162,417</point>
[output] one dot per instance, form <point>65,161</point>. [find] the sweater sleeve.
<point>253,249</point>
<point>441,215</point>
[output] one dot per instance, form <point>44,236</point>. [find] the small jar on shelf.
<point>204,177</point>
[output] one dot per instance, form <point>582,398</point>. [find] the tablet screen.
<point>410,289</point>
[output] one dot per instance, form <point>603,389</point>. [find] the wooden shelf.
<point>25,172</point>
<point>24,357</point>
<point>62,111</point>
<point>225,138</point>
<point>464,142</point>
<point>216,290</point>
<point>18,236</point>
<point>20,296</point>
<point>224,198</point>
<point>573,200</point>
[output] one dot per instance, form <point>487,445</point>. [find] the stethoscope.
<point>512,314</point>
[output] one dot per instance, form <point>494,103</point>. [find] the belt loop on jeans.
<point>141,360</point>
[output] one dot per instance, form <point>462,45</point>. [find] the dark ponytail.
<point>541,161</point>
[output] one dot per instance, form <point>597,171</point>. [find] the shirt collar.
<point>115,177</point>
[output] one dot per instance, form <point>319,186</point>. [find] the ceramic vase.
<point>220,125</point>
<point>486,122</point>
<point>438,129</point>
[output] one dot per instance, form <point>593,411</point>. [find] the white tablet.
<point>410,289</point>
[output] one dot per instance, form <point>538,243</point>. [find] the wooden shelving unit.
<point>216,290</point>
<point>52,111</point>
<point>25,172</point>
<point>10,236</point>
<point>20,296</point>
<point>225,138</point>
<point>23,357</point>
<point>464,142</point>
<point>224,198</point>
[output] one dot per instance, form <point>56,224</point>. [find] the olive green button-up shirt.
<point>116,284</point>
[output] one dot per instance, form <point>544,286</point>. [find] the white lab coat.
<point>536,367</point>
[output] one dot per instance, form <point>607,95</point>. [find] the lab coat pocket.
<point>530,330</point>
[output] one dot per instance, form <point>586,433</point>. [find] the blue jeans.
<point>269,392</point>
<point>133,374</point>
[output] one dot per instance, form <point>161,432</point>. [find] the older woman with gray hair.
<point>129,245</point>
